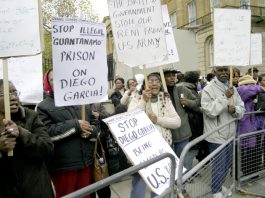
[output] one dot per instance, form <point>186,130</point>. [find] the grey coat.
<point>215,111</point>
<point>183,132</point>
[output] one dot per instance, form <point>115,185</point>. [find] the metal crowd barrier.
<point>203,180</point>
<point>127,172</point>
<point>251,162</point>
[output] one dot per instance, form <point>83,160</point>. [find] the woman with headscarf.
<point>71,165</point>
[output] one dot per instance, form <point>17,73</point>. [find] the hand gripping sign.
<point>141,141</point>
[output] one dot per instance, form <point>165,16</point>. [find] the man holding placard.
<point>217,111</point>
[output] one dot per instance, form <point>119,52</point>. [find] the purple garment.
<point>248,123</point>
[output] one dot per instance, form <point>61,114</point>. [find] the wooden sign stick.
<point>6,96</point>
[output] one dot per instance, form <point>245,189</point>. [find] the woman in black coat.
<point>71,165</point>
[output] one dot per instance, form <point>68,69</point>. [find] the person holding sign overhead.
<point>161,112</point>
<point>25,174</point>
<point>71,165</point>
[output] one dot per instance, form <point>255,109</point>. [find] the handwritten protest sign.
<point>256,49</point>
<point>19,28</point>
<point>23,71</point>
<point>138,31</point>
<point>231,37</point>
<point>173,56</point>
<point>141,141</point>
<point>79,61</point>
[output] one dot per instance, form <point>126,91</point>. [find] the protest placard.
<point>256,49</point>
<point>23,71</point>
<point>173,56</point>
<point>138,31</point>
<point>79,61</point>
<point>19,28</point>
<point>141,141</point>
<point>231,37</point>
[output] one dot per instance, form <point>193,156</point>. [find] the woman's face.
<point>235,78</point>
<point>132,83</point>
<point>118,84</point>
<point>154,85</point>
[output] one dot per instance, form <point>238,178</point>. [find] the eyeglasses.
<point>13,93</point>
<point>154,81</point>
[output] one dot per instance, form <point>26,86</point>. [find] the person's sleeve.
<point>103,112</point>
<point>115,98</point>
<point>248,92</point>
<point>59,130</point>
<point>194,102</point>
<point>125,98</point>
<point>35,143</point>
<point>172,119</point>
<point>137,103</point>
<point>213,106</point>
<point>239,106</point>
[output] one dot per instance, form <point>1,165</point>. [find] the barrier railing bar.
<point>127,172</point>
<point>190,145</point>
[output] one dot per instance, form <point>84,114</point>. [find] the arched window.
<point>209,52</point>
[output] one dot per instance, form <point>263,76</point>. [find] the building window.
<point>192,12</point>
<point>214,4</point>
<point>173,19</point>
<point>209,53</point>
<point>245,4</point>
<point>210,46</point>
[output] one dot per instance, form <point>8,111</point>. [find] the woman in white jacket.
<point>161,112</point>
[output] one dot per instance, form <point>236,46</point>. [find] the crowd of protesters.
<point>56,146</point>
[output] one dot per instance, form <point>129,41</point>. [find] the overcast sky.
<point>101,7</point>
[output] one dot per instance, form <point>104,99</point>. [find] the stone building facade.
<point>197,16</point>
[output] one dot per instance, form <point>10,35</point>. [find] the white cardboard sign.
<point>26,75</point>
<point>173,56</point>
<point>19,28</point>
<point>80,68</point>
<point>231,37</point>
<point>138,31</point>
<point>256,49</point>
<point>141,141</point>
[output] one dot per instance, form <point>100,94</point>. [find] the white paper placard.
<point>138,31</point>
<point>80,68</point>
<point>256,49</point>
<point>231,37</point>
<point>26,75</point>
<point>141,141</point>
<point>19,28</point>
<point>173,56</point>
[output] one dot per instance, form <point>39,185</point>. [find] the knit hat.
<point>245,80</point>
